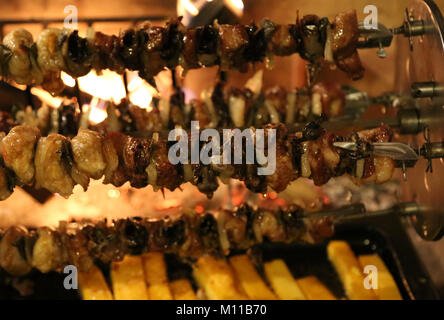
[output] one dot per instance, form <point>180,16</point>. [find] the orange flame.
<point>45,96</point>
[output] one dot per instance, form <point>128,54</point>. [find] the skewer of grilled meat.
<point>57,163</point>
<point>215,109</point>
<point>150,49</point>
<point>189,236</point>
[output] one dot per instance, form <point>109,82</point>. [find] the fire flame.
<point>45,96</point>
<point>97,112</point>
<point>140,92</point>
<point>108,86</point>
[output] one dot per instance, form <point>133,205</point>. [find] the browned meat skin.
<point>18,149</point>
<point>75,245</point>
<point>377,169</point>
<point>146,121</point>
<point>114,144</point>
<point>11,259</point>
<point>189,54</point>
<point>152,55</point>
<point>345,37</point>
<point>352,66</point>
<point>382,133</point>
<point>60,163</point>
<point>282,42</point>
<point>87,152</point>
<point>150,49</point>
<point>233,40</point>
<point>167,174</point>
<point>322,159</point>
<point>136,156</point>
<point>47,252</point>
<point>191,235</point>
<point>52,172</point>
<point>345,34</point>
<point>105,56</point>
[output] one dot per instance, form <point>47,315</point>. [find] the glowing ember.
<point>199,209</point>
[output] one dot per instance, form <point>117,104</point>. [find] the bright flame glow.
<point>68,80</point>
<point>108,86</point>
<point>45,96</point>
<point>237,6</point>
<point>190,7</point>
<point>97,113</point>
<point>140,92</point>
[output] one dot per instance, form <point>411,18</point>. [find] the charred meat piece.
<point>78,54</point>
<point>312,31</point>
<point>161,172</point>
<point>133,235</point>
<point>106,55</point>
<point>130,47</point>
<point>136,157</point>
<point>189,58</point>
<point>233,40</point>
<point>114,147</point>
<point>257,44</point>
<point>207,45</point>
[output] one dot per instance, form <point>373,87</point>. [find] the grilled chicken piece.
<point>47,253</point>
<point>21,65</point>
<point>51,163</point>
<point>88,154</point>
<point>17,150</point>
<point>50,58</point>
<point>343,44</point>
<point>12,255</point>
